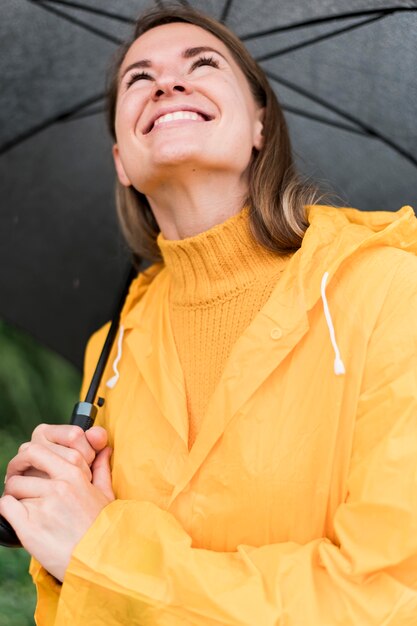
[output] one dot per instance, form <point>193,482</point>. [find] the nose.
<point>169,86</point>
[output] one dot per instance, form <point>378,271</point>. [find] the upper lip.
<point>180,107</point>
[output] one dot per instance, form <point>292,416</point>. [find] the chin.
<point>172,154</point>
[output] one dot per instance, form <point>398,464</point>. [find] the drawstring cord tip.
<point>339,368</point>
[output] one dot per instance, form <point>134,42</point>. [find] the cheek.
<point>236,103</point>
<point>128,112</point>
<point>240,131</point>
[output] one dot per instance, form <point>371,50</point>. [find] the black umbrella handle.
<point>8,537</point>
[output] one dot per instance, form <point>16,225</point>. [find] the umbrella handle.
<point>83,415</point>
<point>8,537</point>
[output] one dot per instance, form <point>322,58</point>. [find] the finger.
<point>26,487</point>
<point>97,437</point>
<point>15,513</point>
<point>42,458</point>
<point>102,472</point>
<point>65,435</point>
<point>69,454</point>
<point>73,456</point>
<point>32,472</point>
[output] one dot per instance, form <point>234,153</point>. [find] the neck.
<point>187,208</point>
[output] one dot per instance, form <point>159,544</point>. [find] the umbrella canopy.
<point>345,75</point>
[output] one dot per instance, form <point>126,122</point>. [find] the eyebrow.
<point>188,53</point>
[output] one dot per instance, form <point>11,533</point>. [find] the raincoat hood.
<point>336,234</point>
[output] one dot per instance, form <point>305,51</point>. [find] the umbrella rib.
<point>368,130</point>
<point>226,11</point>
<point>323,120</point>
<point>12,143</point>
<point>94,10</point>
<point>363,128</point>
<point>74,20</point>
<point>322,20</point>
<point>309,42</point>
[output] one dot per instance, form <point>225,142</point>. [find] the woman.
<point>261,401</point>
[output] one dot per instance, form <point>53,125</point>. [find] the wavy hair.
<point>277,195</point>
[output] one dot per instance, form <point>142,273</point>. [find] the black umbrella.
<point>344,73</point>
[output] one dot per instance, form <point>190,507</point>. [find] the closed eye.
<point>137,76</point>
<point>205,61</point>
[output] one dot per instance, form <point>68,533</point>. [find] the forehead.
<point>172,39</point>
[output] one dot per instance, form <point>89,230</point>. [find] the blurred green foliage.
<point>36,386</point>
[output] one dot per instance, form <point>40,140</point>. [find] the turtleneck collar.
<point>216,264</point>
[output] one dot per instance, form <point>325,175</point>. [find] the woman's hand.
<point>70,442</point>
<point>53,508</point>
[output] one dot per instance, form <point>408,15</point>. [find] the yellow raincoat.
<point>297,504</point>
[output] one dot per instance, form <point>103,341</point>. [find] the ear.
<point>120,170</point>
<point>258,136</point>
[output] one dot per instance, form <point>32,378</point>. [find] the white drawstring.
<point>339,367</point>
<point>113,380</point>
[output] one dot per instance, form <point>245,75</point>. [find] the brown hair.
<point>276,195</point>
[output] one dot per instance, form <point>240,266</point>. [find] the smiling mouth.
<point>189,116</point>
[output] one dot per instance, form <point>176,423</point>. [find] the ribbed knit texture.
<point>220,280</point>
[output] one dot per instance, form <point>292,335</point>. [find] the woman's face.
<point>182,102</point>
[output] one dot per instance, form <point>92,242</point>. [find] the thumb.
<point>97,437</point>
<point>101,472</point>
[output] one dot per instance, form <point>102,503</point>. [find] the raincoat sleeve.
<point>48,588</point>
<point>137,565</point>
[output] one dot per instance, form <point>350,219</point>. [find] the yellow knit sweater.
<point>220,280</point>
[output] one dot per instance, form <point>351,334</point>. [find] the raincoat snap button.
<point>276,333</point>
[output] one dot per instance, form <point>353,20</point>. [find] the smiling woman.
<point>261,401</point>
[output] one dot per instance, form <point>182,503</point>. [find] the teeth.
<point>178,115</point>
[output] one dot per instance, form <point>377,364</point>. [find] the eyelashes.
<point>205,61</point>
<point>200,62</point>
<point>137,76</point>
